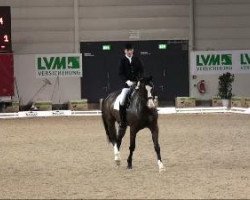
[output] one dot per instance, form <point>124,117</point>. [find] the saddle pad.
<point>117,102</point>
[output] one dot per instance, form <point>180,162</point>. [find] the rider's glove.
<point>129,83</point>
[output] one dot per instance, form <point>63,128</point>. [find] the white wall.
<point>222,24</point>
<point>47,26</point>
<point>114,19</point>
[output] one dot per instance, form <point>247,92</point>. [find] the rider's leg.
<point>124,94</point>
<point>122,108</point>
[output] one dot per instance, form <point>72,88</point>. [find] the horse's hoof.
<point>118,163</point>
<point>162,169</point>
<point>129,167</point>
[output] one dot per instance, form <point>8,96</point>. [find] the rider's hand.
<point>129,83</point>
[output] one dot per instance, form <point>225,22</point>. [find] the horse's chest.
<point>144,118</point>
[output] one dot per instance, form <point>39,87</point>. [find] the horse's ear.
<point>150,78</point>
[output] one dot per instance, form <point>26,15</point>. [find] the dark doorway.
<point>166,61</point>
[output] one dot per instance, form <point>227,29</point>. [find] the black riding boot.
<point>122,112</point>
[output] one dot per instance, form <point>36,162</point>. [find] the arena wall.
<point>28,84</point>
<point>221,25</point>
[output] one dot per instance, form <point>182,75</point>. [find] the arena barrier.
<point>161,111</point>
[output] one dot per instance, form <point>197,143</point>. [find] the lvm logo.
<point>59,65</point>
<point>213,59</point>
<point>245,59</point>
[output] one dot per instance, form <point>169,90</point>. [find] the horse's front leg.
<point>155,135</point>
<point>133,133</point>
<point>121,133</point>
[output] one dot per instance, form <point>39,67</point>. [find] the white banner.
<point>218,62</point>
<point>62,65</point>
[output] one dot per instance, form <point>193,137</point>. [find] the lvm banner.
<point>62,65</point>
<point>218,62</point>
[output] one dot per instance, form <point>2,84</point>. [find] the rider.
<point>130,71</point>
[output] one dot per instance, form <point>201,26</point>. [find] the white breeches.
<point>124,93</point>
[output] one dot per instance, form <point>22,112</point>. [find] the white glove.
<point>130,83</point>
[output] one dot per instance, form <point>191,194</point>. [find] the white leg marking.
<point>161,166</point>
<point>117,155</point>
<point>138,85</point>
<point>116,149</point>
<point>151,103</point>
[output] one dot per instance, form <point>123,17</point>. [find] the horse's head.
<point>145,85</point>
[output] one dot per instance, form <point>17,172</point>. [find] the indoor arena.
<point>124,99</point>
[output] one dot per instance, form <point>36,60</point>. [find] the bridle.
<point>150,85</point>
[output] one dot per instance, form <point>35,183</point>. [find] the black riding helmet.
<point>129,46</point>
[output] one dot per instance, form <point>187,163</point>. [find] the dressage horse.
<point>141,113</point>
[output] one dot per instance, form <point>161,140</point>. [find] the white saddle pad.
<point>117,102</point>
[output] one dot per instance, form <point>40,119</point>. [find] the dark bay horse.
<point>141,114</point>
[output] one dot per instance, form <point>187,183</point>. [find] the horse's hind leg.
<point>155,134</point>
<point>112,131</point>
<point>121,133</point>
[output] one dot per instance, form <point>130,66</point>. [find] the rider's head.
<point>129,50</point>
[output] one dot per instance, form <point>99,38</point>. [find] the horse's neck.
<point>139,102</point>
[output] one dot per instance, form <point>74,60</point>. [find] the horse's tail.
<point>108,125</point>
